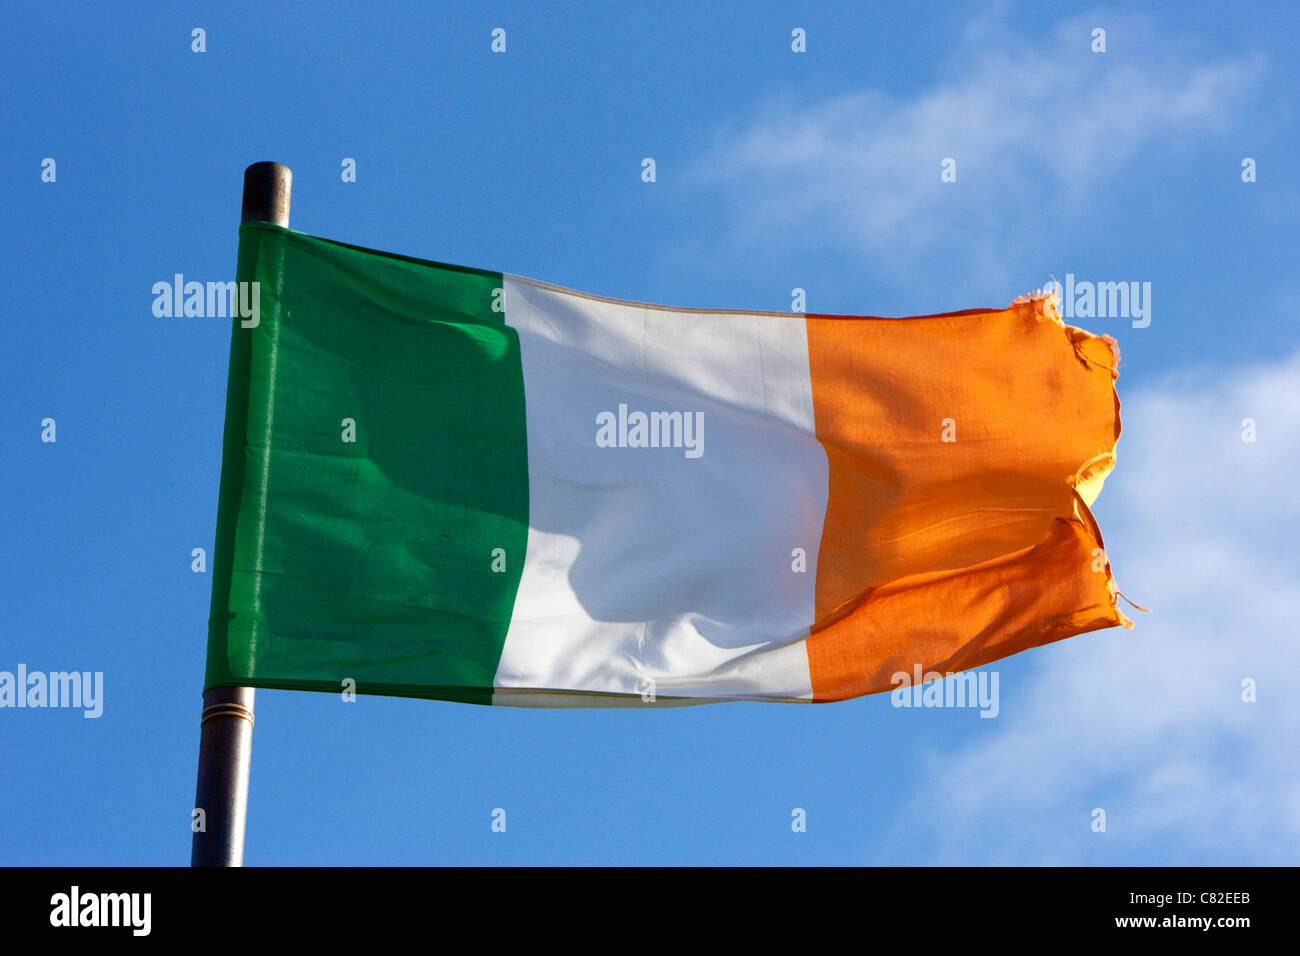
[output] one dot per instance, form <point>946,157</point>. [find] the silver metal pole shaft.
<point>226,724</point>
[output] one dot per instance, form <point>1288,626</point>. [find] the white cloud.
<point>1149,723</point>
<point>1034,125</point>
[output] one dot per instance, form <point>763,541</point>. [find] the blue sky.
<point>775,170</point>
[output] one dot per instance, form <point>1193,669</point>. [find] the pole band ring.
<point>226,710</point>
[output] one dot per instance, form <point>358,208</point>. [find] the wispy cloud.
<point>1149,724</point>
<point>1034,124</point>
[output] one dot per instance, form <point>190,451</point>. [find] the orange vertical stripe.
<point>954,534</point>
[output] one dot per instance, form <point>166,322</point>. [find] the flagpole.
<point>226,723</point>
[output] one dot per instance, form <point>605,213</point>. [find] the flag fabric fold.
<point>455,484</point>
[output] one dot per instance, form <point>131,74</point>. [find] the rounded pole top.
<point>266,194</point>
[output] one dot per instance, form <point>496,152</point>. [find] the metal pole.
<point>226,724</point>
<point>225,746</point>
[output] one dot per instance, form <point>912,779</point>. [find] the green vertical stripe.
<point>373,559</point>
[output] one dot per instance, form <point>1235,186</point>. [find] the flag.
<point>449,483</point>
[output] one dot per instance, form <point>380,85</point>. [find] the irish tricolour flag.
<point>449,483</point>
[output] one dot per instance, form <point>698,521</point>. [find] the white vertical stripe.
<point>644,564</point>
